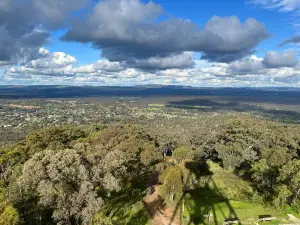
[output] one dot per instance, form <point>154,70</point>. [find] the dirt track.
<point>157,211</point>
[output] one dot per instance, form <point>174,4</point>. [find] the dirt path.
<point>158,213</point>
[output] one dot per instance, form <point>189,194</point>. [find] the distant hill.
<point>278,95</point>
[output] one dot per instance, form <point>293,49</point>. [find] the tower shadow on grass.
<point>203,200</point>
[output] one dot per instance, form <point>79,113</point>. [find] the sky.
<point>204,43</point>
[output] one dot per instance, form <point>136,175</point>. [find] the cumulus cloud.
<point>293,40</point>
<point>250,65</point>
<point>27,71</point>
<point>63,65</point>
<point>55,13</point>
<point>233,39</point>
<point>247,72</point>
<point>141,44</point>
<point>184,60</point>
<point>130,37</point>
<point>22,47</point>
<point>51,60</point>
<point>147,39</point>
<point>275,59</point>
<point>48,64</point>
<point>99,66</point>
<point>272,59</point>
<point>59,67</point>
<point>25,25</point>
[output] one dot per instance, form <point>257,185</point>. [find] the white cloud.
<point>100,65</point>
<point>62,68</point>
<point>47,64</point>
<point>133,31</point>
<point>275,59</point>
<point>51,60</point>
<point>290,7</point>
<point>26,25</point>
<point>249,65</point>
<point>280,5</point>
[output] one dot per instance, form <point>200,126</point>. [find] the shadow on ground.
<point>202,202</point>
<point>205,105</point>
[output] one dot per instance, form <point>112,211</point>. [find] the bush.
<point>172,184</point>
<point>182,154</point>
<point>10,216</point>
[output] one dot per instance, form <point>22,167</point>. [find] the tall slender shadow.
<point>206,198</point>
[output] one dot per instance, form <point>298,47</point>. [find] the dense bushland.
<point>80,174</point>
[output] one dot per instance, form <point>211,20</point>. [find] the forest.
<point>128,173</point>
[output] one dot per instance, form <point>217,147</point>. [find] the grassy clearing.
<point>191,106</point>
<point>156,105</point>
<point>131,214</point>
<point>197,204</point>
<point>127,209</point>
<point>231,186</point>
<point>212,198</point>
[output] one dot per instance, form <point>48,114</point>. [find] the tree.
<point>72,184</point>
<point>182,153</point>
<point>8,214</point>
<point>230,156</point>
<point>172,183</point>
<point>265,177</point>
<point>277,156</point>
<point>62,181</point>
<point>290,175</point>
<point>150,154</point>
<point>101,219</point>
<point>281,196</point>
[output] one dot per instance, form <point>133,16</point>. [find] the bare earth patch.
<point>24,106</point>
<point>160,215</point>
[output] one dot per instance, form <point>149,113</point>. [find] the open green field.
<point>213,198</point>
<point>130,210</point>
<point>246,212</point>
<point>156,105</point>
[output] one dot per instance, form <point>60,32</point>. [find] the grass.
<point>156,105</point>
<point>191,106</point>
<point>212,198</point>
<point>132,214</point>
<point>221,209</point>
<point>231,186</point>
<point>127,209</point>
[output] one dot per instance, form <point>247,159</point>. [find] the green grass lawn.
<point>198,204</point>
<point>212,198</point>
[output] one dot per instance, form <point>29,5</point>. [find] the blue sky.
<point>130,42</point>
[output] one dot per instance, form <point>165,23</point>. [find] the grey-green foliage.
<point>73,183</point>
<point>239,142</point>
<point>62,180</point>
